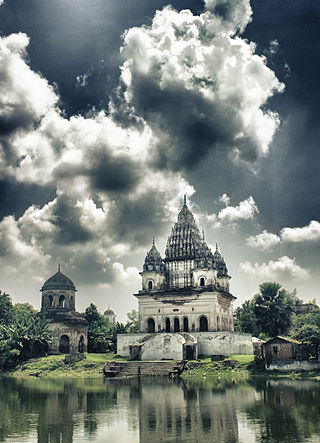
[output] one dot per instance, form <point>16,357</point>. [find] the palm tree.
<point>273,309</point>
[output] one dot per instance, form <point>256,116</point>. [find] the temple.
<point>188,290</point>
<point>69,329</point>
<point>185,301</point>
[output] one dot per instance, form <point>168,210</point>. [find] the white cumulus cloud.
<point>244,211</point>
<point>265,240</point>
<point>283,268</point>
<point>220,80</point>
<point>311,232</point>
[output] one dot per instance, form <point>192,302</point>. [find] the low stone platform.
<point>140,368</point>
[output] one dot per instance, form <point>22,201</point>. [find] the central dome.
<point>185,238</point>
<point>58,281</point>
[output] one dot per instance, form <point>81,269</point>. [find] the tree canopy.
<point>269,313</point>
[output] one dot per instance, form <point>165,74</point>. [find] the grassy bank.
<point>54,366</point>
<point>237,368</point>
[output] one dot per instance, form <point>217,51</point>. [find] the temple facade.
<point>185,304</point>
<point>188,289</point>
<point>69,329</point>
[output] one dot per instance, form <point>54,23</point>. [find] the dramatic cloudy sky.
<point>111,110</point>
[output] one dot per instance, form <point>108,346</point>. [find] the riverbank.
<point>237,368</point>
<point>54,366</point>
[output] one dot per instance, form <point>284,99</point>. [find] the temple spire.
<point>217,249</point>
<point>153,240</point>
<point>185,200</point>
<point>59,267</point>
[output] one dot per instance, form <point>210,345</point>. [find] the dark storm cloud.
<point>16,197</point>
<point>66,217</point>
<point>115,174</point>
<point>136,221</point>
<point>91,269</point>
<point>187,124</point>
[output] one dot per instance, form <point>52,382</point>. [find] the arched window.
<point>71,302</point>
<point>167,324</point>
<point>150,285</point>
<point>203,323</point>
<point>64,345</point>
<point>81,344</point>
<point>202,281</point>
<point>218,323</point>
<point>151,325</point>
<point>185,324</point>
<point>50,299</point>
<point>176,325</point>
<point>62,301</point>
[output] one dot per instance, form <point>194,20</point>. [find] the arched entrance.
<point>64,345</point>
<point>176,325</point>
<point>81,344</point>
<point>167,324</point>
<point>151,325</point>
<point>202,281</point>
<point>185,324</point>
<point>62,301</point>
<point>203,324</point>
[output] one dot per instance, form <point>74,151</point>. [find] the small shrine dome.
<point>58,281</point>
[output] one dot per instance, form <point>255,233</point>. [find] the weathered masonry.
<point>69,329</point>
<point>184,293</point>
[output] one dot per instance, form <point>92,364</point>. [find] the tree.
<point>245,318</point>
<point>98,330</point>
<point>22,311</point>
<point>307,330</point>
<point>273,309</point>
<point>6,309</point>
<point>133,317</point>
<point>118,328</point>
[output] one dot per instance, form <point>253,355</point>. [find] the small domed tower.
<point>153,274</point>
<point>58,293</point>
<point>110,315</point>
<point>69,329</point>
<point>222,275</point>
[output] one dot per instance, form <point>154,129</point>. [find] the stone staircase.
<point>139,368</point>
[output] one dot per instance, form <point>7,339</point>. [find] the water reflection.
<point>157,409</point>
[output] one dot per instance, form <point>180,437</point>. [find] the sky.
<point>111,111</point>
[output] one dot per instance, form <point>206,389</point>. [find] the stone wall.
<point>209,343</point>
<point>73,332</point>
<point>223,343</point>
<point>294,365</point>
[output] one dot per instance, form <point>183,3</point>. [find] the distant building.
<point>186,293</point>
<point>305,308</point>
<point>281,349</point>
<point>110,315</point>
<point>69,328</point>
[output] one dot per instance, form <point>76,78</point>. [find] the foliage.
<point>54,367</point>
<point>245,320</point>
<point>6,309</point>
<point>273,309</point>
<point>133,317</point>
<point>307,330</point>
<point>23,340</point>
<point>102,335</point>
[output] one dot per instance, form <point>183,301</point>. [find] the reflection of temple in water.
<point>177,414</point>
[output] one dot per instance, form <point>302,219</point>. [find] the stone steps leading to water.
<point>137,368</point>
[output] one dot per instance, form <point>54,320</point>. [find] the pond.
<point>158,409</point>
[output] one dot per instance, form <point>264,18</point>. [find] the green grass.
<point>54,366</point>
